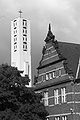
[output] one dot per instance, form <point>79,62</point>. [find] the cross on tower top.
<point>20,12</point>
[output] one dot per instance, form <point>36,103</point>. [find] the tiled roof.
<point>71,52</point>
<point>67,52</point>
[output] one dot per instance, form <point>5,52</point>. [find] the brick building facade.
<point>58,79</point>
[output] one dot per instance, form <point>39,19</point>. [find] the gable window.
<point>64,117</point>
<point>46,98</point>
<point>63,95</point>
<point>57,118</point>
<point>56,96</point>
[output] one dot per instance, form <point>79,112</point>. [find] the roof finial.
<point>20,12</point>
<point>49,27</point>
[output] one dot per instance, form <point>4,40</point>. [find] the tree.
<point>18,102</point>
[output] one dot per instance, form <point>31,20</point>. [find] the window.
<point>64,117</point>
<point>47,76</point>
<point>15,47</point>
<point>25,31</point>
<point>57,118</point>
<point>15,24</point>
<point>15,39</point>
<point>25,39</point>
<point>50,75</point>
<point>56,97</point>
<point>15,32</point>
<point>63,95</point>
<point>59,72</point>
<point>24,46</point>
<point>46,98</point>
<point>53,74</point>
<point>42,77</point>
<point>26,68</point>
<point>24,23</point>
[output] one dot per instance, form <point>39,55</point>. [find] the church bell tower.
<point>21,45</point>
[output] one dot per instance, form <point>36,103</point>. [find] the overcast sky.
<point>64,16</point>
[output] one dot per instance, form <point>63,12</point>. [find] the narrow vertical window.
<point>59,72</point>
<point>64,117</point>
<point>42,77</point>
<point>26,68</point>
<point>63,95</point>
<point>53,74</point>
<point>50,75</point>
<point>25,31</point>
<point>46,98</point>
<point>47,76</point>
<point>56,96</point>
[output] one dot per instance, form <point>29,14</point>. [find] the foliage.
<point>18,102</point>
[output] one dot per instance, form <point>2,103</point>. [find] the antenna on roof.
<point>20,12</point>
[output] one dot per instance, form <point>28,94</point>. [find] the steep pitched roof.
<point>67,52</point>
<point>50,35</point>
<point>71,52</point>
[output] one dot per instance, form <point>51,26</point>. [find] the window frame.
<point>56,96</point>
<point>50,75</point>
<point>53,76</point>
<point>47,76</point>
<point>63,94</point>
<point>45,99</point>
<point>64,117</point>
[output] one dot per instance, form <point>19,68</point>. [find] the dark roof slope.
<point>71,52</point>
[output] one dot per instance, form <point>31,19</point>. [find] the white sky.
<point>64,16</point>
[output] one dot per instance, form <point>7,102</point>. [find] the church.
<point>58,78</point>
<point>58,72</point>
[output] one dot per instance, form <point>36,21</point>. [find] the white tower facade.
<point>21,46</point>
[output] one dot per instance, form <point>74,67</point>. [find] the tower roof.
<point>50,36</point>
